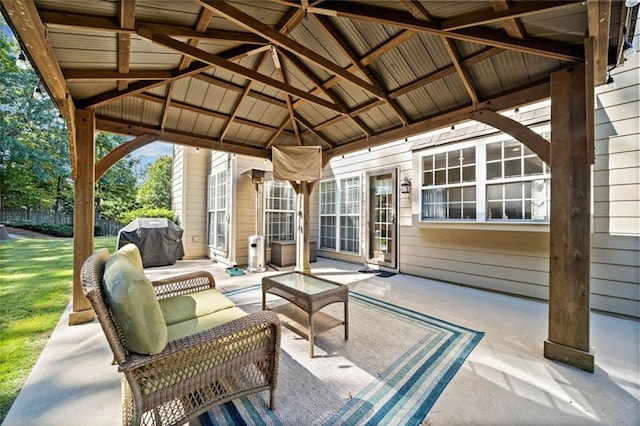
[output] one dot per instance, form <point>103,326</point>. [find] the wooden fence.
<point>103,226</point>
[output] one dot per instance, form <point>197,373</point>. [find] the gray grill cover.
<point>159,240</point>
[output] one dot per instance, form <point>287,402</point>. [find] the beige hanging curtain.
<point>297,163</point>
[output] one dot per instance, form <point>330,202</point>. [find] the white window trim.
<point>481,184</point>
<point>337,214</point>
<point>212,182</point>
<point>267,210</point>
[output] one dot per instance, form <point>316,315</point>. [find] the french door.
<point>382,240</point>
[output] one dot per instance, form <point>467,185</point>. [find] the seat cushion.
<point>134,304</point>
<point>188,306</point>
<point>205,322</point>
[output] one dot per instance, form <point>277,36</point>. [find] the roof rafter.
<point>488,37</point>
<point>351,54</point>
<point>180,138</point>
<point>518,10</point>
<point>127,21</point>
<point>218,61</point>
<point>111,25</point>
<point>250,23</point>
<point>512,26</point>
<point>201,24</point>
<point>287,98</point>
<point>320,88</point>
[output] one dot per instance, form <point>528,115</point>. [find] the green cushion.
<point>134,303</point>
<point>188,306</point>
<point>196,325</point>
<point>131,252</point>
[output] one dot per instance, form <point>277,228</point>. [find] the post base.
<point>570,356</point>
<point>81,317</point>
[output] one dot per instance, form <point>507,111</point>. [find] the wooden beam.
<point>536,143</point>
<point>127,20</point>
<point>511,26</point>
<point>320,87</point>
<point>218,61</point>
<point>29,29</point>
<point>521,96</point>
<point>462,73</point>
<point>439,74</point>
<point>292,115</point>
<point>120,152</point>
<point>83,213</point>
<point>348,50</point>
<point>484,36</point>
<point>241,98</point>
<point>599,15</point>
<point>239,89</point>
<point>204,111</point>
<point>518,10</point>
<point>111,25</point>
<point>569,252</point>
<point>181,138</point>
<point>257,27</point>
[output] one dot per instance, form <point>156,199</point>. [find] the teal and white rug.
<point>391,370</point>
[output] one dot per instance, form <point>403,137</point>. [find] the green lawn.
<point>35,287</point>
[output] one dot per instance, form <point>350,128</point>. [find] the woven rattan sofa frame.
<point>237,375</point>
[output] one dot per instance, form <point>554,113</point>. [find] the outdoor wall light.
<point>405,186</point>
<point>37,93</point>
<point>60,118</point>
<point>21,61</point>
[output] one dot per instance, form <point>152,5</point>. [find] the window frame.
<point>342,214</point>
<point>217,208</point>
<point>482,183</point>
<point>268,203</point>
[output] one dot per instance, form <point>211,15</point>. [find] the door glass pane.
<point>382,218</point>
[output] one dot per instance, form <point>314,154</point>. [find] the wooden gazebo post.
<point>569,255</point>
<point>83,211</point>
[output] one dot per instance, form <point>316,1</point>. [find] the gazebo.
<point>246,76</point>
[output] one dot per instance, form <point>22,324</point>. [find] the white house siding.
<point>389,156</point>
<point>190,198</point>
<point>245,206</point>
<point>615,242</point>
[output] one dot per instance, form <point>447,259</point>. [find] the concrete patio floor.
<point>504,381</point>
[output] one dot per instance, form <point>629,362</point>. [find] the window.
<point>279,213</point>
<point>217,211</point>
<point>517,183</point>
<point>508,183</point>
<point>449,185</point>
<point>340,214</point>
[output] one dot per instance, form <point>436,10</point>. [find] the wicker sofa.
<point>192,349</point>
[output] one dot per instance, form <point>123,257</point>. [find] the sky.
<point>149,153</point>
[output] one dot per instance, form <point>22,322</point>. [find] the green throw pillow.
<point>134,305</point>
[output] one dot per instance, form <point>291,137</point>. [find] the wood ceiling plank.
<point>254,25</point>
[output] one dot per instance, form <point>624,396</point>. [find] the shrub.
<point>132,215</point>
<point>52,229</point>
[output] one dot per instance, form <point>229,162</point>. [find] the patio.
<point>503,381</point>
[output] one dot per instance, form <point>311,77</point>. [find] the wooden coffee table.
<point>307,294</point>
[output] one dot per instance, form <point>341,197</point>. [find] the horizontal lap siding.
<point>509,262</point>
<point>615,242</point>
<point>194,212</point>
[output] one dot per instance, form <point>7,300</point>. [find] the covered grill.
<point>158,239</point>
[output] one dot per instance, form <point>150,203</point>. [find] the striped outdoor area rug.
<point>391,370</point>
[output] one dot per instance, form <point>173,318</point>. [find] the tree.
<point>116,189</point>
<point>155,192</point>
<point>34,149</point>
